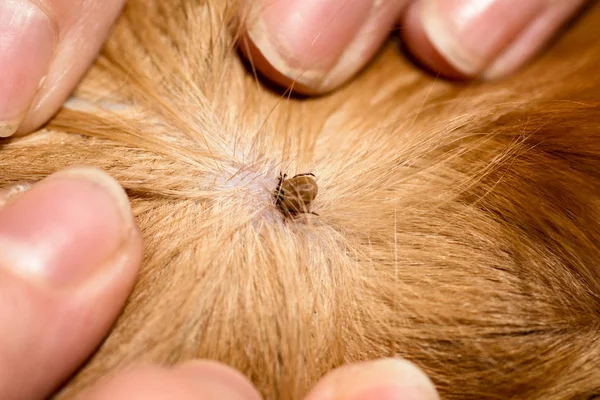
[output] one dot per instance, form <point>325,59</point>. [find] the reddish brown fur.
<point>459,224</point>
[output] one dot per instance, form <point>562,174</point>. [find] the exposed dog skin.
<point>458,224</point>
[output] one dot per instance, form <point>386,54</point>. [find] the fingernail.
<point>533,39</point>
<point>304,39</point>
<point>471,34</point>
<point>27,41</point>
<point>9,193</point>
<point>229,383</point>
<point>387,379</point>
<point>65,228</point>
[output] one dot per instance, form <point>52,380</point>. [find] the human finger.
<point>203,380</point>
<point>45,48</point>
<point>393,379</point>
<point>317,45</point>
<point>487,39</point>
<point>69,254</point>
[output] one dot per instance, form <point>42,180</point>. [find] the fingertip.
<point>419,46</point>
<point>69,256</point>
<point>468,39</point>
<point>28,38</point>
<point>316,45</point>
<point>304,39</point>
<point>193,380</point>
<point>60,60</point>
<point>385,379</point>
<point>66,227</point>
<point>534,39</point>
<point>219,374</point>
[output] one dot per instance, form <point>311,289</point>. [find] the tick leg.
<point>281,179</point>
<point>278,194</point>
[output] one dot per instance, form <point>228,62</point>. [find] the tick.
<point>293,196</point>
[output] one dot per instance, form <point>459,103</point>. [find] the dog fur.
<point>458,224</point>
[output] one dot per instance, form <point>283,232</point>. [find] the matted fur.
<point>458,224</point>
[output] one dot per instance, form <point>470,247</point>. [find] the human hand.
<point>387,379</point>
<point>69,254</point>
<point>321,44</point>
<point>47,45</point>
<point>45,48</point>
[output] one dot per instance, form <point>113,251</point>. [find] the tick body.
<point>294,196</point>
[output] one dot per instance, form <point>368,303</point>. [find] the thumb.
<point>382,379</point>
<point>316,44</point>
<point>69,254</point>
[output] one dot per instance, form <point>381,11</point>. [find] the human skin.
<point>48,255</point>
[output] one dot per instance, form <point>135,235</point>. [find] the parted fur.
<point>458,226</point>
